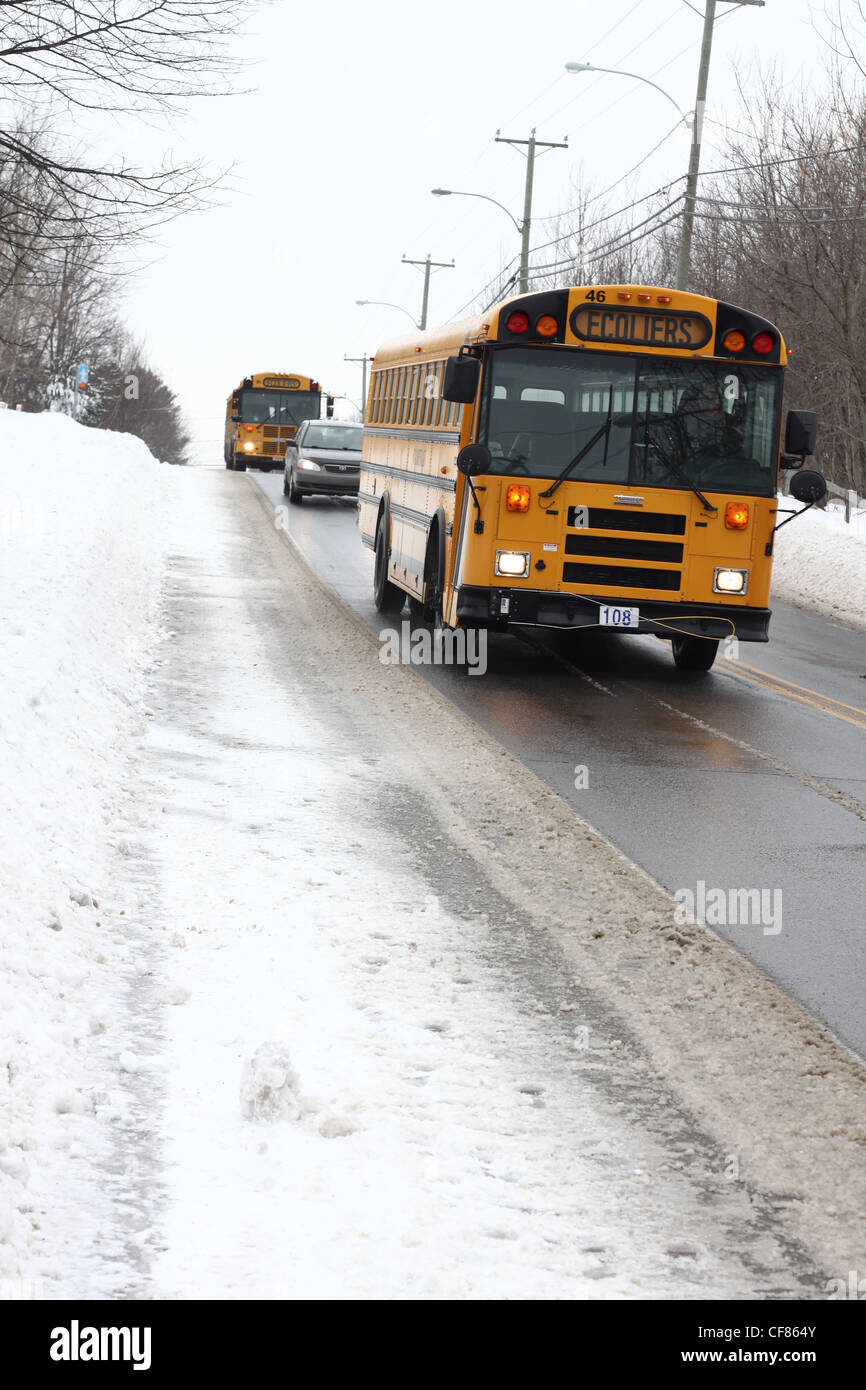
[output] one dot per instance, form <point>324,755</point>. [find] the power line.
<point>596,196</point>
<point>613,27</point>
<point>652,218</point>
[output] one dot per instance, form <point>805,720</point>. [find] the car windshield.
<point>656,421</point>
<point>337,437</point>
<point>277,407</point>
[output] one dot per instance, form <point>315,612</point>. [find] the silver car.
<point>325,458</point>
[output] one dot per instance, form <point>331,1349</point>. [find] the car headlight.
<point>309,465</point>
<point>249,446</point>
<point>514,563</point>
<point>727,581</point>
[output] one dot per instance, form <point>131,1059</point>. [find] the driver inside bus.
<point>703,426</point>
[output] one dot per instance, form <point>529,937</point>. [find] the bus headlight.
<point>514,563</point>
<point>249,446</point>
<point>727,581</point>
<point>309,465</point>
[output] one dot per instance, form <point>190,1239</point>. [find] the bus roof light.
<point>664,298</point>
<point>734,341</point>
<point>623,294</point>
<point>517,322</point>
<point>645,299</point>
<point>546,326</point>
<point>763,343</point>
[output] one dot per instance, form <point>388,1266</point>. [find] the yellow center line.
<point>850,713</point>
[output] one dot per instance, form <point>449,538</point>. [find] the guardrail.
<point>853,503</point>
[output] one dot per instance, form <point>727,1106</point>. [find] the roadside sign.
<point>83,373</point>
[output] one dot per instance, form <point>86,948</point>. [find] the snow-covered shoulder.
<point>820,563</point>
<point>81,563</point>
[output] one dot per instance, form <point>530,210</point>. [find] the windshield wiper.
<point>590,444</point>
<point>669,463</point>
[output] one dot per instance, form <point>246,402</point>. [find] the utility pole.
<point>684,256</point>
<point>531,146</point>
<point>441,265</point>
<point>363,361</point>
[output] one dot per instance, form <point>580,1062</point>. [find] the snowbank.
<point>820,563</point>
<point>81,559</point>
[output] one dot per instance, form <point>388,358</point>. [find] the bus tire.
<point>434,557</point>
<point>693,653</point>
<point>386,596</point>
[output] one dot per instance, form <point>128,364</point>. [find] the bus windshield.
<point>658,421</point>
<point>278,407</point>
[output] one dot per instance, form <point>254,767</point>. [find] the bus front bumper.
<point>502,608</point>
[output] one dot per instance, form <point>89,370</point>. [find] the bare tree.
<point>781,231</point>
<point>131,56</point>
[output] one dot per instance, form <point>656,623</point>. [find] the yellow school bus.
<point>262,415</point>
<point>597,456</point>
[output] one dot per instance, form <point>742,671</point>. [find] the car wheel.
<point>294,495</point>
<point>694,653</point>
<point>386,596</point>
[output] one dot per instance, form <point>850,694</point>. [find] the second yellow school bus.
<point>263,414</point>
<point>624,459</point>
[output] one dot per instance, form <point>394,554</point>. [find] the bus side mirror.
<point>808,486</point>
<point>801,428</point>
<point>460,381</point>
<point>474,459</point>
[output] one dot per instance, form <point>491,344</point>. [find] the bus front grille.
<point>624,548</point>
<point>618,519</point>
<point>620,576</point>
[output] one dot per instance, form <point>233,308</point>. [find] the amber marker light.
<point>734,341</point>
<point>546,326</point>
<point>623,294</point>
<point>663,298</point>
<point>737,516</point>
<point>517,497</point>
<point>644,299</point>
<point>250,427</point>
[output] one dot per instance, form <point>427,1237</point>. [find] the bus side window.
<point>441,405</point>
<point>386,394</point>
<point>412,396</point>
<point>417,381</point>
<point>432,391</point>
<point>406,395</point>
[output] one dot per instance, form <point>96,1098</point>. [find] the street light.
<point>688,119</point>
<point>522,227</point>
<point>684,254</point>
<point>456,193</point>
<point>386,304</point>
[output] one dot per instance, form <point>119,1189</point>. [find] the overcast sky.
<point>355,111</point>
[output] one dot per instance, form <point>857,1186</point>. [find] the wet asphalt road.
<point>710,777</point>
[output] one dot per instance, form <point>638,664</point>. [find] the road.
<point>750,777</point>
